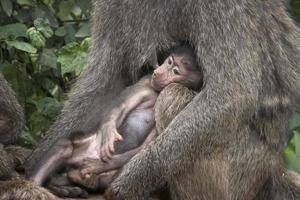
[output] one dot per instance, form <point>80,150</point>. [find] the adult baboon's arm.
<point>11,114</point>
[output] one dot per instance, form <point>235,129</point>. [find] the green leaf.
<point>12,31</point>
<point>26,2</point>
<point>49,107</point>
<point>57,92</point>
<point>7,6</point>
<point>28,140</point>
<point>295,141</point>
<point>76,11</point>
<point>49,3</point>
<point>292,159</point>
<point>23,46</point>
<point>48,58</point>
<point>24,14</point>
<point>19,79</point>
<point>295,9</point>
<point>43,26</point>
<point>53,88</point>
<point>34,57</point>
<point>84,31</point>
<point>85,43</point>
<point>292,152</point>
<point>295,123</point>
<point>65,9</point>
<point>42,11</point>
<point>85,5</point>
<point>38,124</point>
<point>72,57</point>
<point>36,38</point>
<point>70,36</point>
<point>60,32</point>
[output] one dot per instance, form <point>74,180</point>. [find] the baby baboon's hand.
<point>110,135</point>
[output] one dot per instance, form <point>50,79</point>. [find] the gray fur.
<point>221,146</point>
<point>11,114</point>
<point>24,190</point>
<point>171,101</point>
<point>11,157</point>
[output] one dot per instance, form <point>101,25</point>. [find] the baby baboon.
<point>169,103</point>
<point>132,115</point>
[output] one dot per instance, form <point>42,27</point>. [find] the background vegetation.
<point>43,47</point>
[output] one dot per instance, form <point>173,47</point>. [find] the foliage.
<point>292,151</point>
<point>43,47</point>
<point>295,9</point>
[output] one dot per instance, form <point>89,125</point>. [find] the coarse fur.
<point>24,190</point>
<point>7,165</point>
<point>227,143</point>
<point>173,99</point>
<point>11,114</point>
<point>11,125</point>
<point>11,157</point>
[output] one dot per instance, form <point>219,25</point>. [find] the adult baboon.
<point>24,190</point>
<point>227,143</point>
<point>11,125</point>
<point>11,157</point>
<point>11,114</point>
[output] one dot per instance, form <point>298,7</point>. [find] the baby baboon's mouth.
<point>155,85</point>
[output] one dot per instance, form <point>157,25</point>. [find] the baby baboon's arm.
<point>134,96</point>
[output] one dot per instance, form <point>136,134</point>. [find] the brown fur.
<point>11,114</point>
<point>11,157</point>
<point>24,190</point>
<point>250,55</point>
<point>170,102</point>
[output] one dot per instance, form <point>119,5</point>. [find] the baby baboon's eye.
<point>176,70</point>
